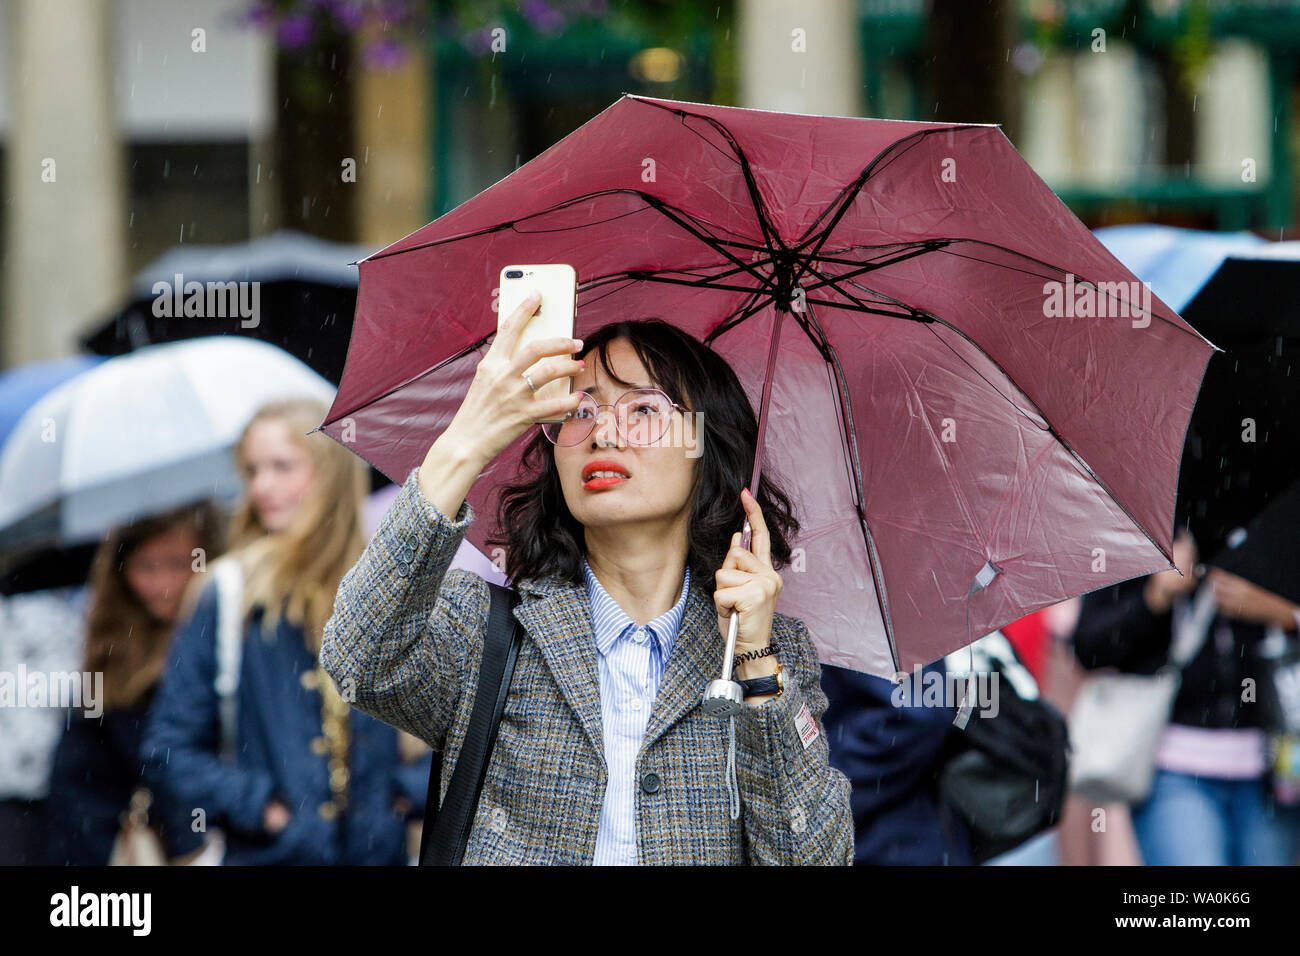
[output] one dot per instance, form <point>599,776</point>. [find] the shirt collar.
<point>614,624</point>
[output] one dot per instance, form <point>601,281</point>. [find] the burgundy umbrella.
<point>978,410</point>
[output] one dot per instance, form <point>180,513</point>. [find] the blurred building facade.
<point>129,126</point>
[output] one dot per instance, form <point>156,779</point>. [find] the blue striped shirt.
<point>631,666</point>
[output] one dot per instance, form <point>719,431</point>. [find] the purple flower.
<point>261,14</point>
<point>348,14</point>
<point>385,54</point>
<point>544,17</point>
<point>479,42</point>
<point>295,31</point>
<point>394,11</point>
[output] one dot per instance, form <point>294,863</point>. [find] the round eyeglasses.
<point>641,416</point>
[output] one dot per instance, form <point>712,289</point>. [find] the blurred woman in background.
<point>306,779</point>
<point>1213,801</point>
<point>137,581</point>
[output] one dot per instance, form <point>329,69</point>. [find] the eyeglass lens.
<point>641,416</point>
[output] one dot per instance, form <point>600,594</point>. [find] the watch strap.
<point>762,686</point>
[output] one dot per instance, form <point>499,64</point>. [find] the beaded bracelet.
<point>752,655</point>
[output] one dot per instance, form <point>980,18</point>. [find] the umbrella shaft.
<point>729,654</point>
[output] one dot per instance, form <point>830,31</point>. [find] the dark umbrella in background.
<point>1242,293</point>
<point>307,291</point>
<point>1266,552</point>
<point>1243,445</point>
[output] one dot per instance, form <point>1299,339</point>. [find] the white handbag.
<point>137,844</point>
<point>1118,719</point>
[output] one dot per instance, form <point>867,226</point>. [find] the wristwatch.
<point>762,686</point>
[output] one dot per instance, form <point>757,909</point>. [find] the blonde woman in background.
<point>306,779</point>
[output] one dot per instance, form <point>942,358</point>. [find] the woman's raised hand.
<point>498,408</point>
<point>499,405</point>
<point>1163,586</point>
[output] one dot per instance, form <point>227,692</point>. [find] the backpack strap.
<point>229,576</point>
<point>446,830</point>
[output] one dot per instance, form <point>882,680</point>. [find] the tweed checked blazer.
<point>404,644</point>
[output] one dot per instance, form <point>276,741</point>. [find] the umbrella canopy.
<point>306,292</point>
<point>20,387</point>
<point>946,418</point>
<point>137,435</point>
<point>1267,551</point>
<point>1176,262</point>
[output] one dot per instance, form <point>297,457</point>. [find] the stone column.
<point>801,58</point>
<point>1233,122</point>
<point>65,242</point>
<point>393,145</point>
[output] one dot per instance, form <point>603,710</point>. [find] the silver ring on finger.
<point>529,380</point>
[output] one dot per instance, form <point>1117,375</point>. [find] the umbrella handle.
<point>733,626</point>
<point>725,697</point>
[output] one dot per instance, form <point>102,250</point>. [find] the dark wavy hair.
<point>542,538</point>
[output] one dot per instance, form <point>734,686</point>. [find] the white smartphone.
<point>555,316</point>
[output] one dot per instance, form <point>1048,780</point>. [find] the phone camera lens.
<point>515,274</point>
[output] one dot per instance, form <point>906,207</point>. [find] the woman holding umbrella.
<point>614,540</point>
<point>305,779</point>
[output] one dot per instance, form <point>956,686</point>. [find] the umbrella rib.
<point>850,191</point>
<point>705,283</point>
<point>639,274</point>
<point>667,210</point>
<point>1051,428</point>
<point>850,442</point>
<point>928,245</point>
<point>1055,268</point>
<point>755,302</point>
<point>707,238</point>
<point>943,244</point>
<point>755,197</point>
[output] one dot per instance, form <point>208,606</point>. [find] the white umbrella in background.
<point>139,434</point>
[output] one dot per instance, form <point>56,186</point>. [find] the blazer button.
<point>309,680</point>
<point>320,746</point>
<point>328,810</point>
<point>651,783</point>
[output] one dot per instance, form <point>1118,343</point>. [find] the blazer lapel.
<point>695,660</point>
<point>557,616</point>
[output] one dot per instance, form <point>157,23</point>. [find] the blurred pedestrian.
<point>306,779</point>
<point>42,631</point>
<point>136,585</point>
<point>1212,801</point>
<point>892,753</point>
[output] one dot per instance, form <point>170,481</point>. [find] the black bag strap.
<point>446,830</point>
